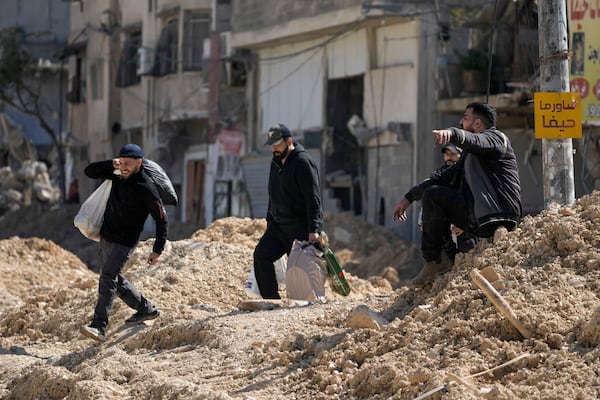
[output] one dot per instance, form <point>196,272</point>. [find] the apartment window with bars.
<point>165,61</point>
<point>196,28</point>
<point>129,61</point>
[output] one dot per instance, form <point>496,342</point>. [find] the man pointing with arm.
<point>478,194</point>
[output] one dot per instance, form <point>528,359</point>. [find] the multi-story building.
<point>43,28</point>
<point>145,72</point>
<point>356,85</point>
<point>366,81</point>
<point>361,84</point>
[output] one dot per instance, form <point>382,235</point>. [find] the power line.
<point>322,44</point>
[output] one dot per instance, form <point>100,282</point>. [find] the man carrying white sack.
<point>132,198</point>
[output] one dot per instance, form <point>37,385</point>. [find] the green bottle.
<point>334,270</point>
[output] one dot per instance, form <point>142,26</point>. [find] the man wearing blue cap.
<point>132,198</point>
<point>294,211</point>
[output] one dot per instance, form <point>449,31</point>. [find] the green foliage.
<point>472,60</point>
<point>14,59</point>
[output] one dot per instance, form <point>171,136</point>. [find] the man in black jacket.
<point>459,242</point>
<point>478,194</point>
<point>132,198</point>
<point>294,210</point>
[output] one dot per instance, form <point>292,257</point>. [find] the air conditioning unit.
<point>225,44</point>
<point>144,61</point>
<point>206,49</point>
<point>205,60</point>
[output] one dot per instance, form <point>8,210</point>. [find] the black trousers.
<point>113,257</point>
<point>443,206</point>
<point>272,246</point>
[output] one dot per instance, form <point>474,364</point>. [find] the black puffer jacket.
<point>129,203</point>
<point>488,176</point>
<point>295,193</point>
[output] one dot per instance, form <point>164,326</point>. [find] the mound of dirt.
<point>56,224</point>
<point>445,339</point>
<point>362,248</point>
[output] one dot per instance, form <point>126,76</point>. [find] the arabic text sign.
<point>557,115</point>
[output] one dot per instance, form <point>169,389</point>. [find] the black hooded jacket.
<point>295,193</point>
<point>128,206</point>
<point>487,175</point>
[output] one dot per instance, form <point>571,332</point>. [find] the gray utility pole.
<point>559,181</point>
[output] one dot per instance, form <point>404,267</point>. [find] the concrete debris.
<point>30,183</point>
<point>362,317</point>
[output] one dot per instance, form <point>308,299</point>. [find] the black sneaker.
<point>93,332</point>
<point>142,316</point>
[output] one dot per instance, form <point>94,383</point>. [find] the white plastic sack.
<point>90,216</point>
<point>280,270</point>
<point>251,286</point>
<point>306,273</point>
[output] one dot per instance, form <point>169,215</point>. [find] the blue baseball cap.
<point>131,150</point>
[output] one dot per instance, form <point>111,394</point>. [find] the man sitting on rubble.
<point>478,194</point>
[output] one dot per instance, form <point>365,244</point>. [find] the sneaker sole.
<point>91,335</point>
<point>145,318</point>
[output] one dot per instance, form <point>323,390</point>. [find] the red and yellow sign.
<point>584,27</point>
<point>557,115</point>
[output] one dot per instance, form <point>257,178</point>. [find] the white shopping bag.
<point>251,286</point>
<point>90,216</point>
<point>280,270</point>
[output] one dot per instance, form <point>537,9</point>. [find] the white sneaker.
<point>93,332</point>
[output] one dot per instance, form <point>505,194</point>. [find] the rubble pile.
<point>20,188</point>
<point>450,340</point>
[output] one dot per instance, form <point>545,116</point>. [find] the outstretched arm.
<point>442,136</point>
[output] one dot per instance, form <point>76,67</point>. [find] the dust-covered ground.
<point>383,341</point>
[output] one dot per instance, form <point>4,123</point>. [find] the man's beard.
<point>281,155</point>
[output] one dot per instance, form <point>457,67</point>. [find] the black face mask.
<point>283,154</point>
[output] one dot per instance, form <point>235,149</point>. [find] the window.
<point>165,61</point>
<point>96,77</point>
<point>77,92</point>
<point>222,202</point>
<point>196,28</point>
<point>129,61</point>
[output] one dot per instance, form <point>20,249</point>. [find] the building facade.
<point>149,72</point>
<point>356,84</point>
<point>361,84</point>
<point>366,82</point>
<point>44,30</point>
